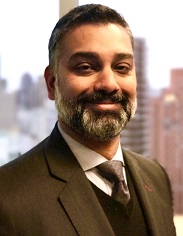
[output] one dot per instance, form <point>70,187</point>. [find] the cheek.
<point>71,89</point>
<point>129,87</point>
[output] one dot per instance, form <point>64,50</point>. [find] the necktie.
<point>112,171</point>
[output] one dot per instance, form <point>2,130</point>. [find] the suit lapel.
<point>83,207</point>
<point>152,202</point>
<point>77,196</point>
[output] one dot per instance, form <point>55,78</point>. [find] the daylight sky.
<point>25,28</point>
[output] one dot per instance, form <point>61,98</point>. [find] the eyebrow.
<point>87,55</point>
<point>122,56</point>
<point>93,55</point>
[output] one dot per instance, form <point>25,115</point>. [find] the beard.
<point>101,125</point>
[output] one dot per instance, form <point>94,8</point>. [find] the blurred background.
<point>26,114</point>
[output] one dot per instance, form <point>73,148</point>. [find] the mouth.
<point>104,105</point>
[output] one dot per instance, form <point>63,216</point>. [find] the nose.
<point>106,81</point>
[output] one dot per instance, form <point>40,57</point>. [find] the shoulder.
<point>24,165</point>
<point>20,181</point>
<point>148,168</point>
<point>139,159</point>
<point>32,169</point>
<point>30,162</point>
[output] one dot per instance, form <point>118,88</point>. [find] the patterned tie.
<point>112,171</point>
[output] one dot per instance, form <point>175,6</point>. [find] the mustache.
<point>102,96</point>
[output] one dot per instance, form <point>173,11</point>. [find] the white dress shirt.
<point>89,159</point>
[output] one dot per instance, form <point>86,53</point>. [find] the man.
<point>59,187</point>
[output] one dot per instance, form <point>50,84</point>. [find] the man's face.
<point>95,88</point>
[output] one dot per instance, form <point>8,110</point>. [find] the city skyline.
<point>25,32</point>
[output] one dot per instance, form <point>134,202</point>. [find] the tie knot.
<point>111,170</point>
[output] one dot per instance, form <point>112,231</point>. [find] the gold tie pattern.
<point>112,171</point>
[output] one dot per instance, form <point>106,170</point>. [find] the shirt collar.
<point>86,157</point>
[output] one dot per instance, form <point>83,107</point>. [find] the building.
<point>167,133</point>
<point>7,107</point>
<point>136,135</point>
<point>36,115</point>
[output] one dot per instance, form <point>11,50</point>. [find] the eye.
<point>122,68</point>
<point>84,69</point>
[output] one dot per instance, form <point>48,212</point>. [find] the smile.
<point>104,105</point>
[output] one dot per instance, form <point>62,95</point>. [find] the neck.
<point>105,148</point>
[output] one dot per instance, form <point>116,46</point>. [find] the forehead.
<point>97,38</point>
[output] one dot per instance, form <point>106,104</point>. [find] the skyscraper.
<point>167,133</point>
<point>136,135</point>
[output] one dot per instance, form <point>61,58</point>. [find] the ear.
<point>50,82</point>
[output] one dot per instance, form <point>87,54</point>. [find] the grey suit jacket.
<point>45,192</point>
